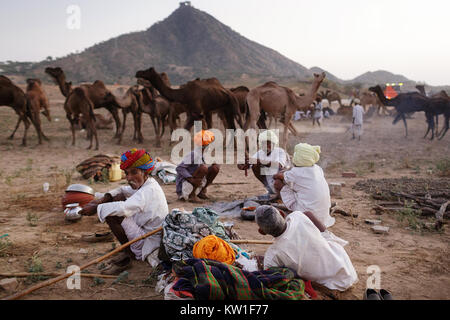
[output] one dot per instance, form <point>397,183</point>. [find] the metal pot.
<point>71,212</point>
<point>80,188</point>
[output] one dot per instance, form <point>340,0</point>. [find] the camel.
<point>160,109</point>
<point>14,97</point>
<point>405,103</point>
<point>330,96</point>
<point>38,100</point>
<point>201,97</point>
<point>440,94</point>
<point>96,92</point>
<point>279,101</point>
<point>78,103</point>
<point>369,98</point>
<point>129,102</point>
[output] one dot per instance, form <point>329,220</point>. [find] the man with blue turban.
<point>132,211</point>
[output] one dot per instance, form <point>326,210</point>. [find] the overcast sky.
<point>345,37</point>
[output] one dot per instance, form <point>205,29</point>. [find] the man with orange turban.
<point>132,211</point>
<point>193,175</point>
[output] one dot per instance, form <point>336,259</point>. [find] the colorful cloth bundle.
<point>212,280</point>
<point>183,229</point>
<point>137,159</point>
<point>212,247</point>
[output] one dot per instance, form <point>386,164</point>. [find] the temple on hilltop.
<point>185,3</point>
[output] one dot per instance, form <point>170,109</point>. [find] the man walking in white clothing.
<point>357,121</point>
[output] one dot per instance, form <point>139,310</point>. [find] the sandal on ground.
<point>371,294</point>
<point>117,268</point>
<point>385,295</point>
<point>97,237</point>
<point>121,256</point>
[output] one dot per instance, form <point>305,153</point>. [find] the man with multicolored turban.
<point>270,160</point>
<point>193,174</point>
<point>132,211</point>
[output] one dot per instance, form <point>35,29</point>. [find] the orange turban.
<point>214,248</point>
<point>203,138</point>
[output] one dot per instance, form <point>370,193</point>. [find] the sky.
<point>346,38</point>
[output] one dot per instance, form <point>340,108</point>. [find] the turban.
<point>203,138</point>
<point>267,135</point>
<point>137,159</point>
<point>214,248</point>
<point>305,155</point>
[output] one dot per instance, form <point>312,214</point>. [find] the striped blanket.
<point>211,280</point>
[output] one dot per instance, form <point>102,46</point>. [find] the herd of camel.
<point>199,99</point>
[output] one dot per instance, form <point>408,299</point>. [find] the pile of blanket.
<point>211,280</point>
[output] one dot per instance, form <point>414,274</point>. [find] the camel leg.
<point>445,128</point>
<point>139,134</point>
<point>124,113</point>
<point>115,115</point>
<point>437,123</point>
<point>19,120</point>
<point>72,127</point>
<point>27,125</point>
<point>287,120</point>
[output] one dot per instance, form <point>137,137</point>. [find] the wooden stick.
<point>251,241</point>
<point>54,274</point>
<point>64,276</point>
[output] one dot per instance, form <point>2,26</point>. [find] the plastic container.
<point>115,173</point>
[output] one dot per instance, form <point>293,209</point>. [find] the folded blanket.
<point>211,280</point>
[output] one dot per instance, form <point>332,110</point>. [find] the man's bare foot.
<point>203,196</point>
<point>194,199</point>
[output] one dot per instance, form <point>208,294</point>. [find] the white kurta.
<point>277,155</point>
<point>144,210</point>
<point>358,112</point>
<point>307,190</point>
<point>303,248</point>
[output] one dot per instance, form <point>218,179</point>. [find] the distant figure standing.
<point>317,111</point>
<point>357,122</point>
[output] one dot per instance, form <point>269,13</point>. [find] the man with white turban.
<point>268,161</point>
<point>300,245</point>
<point>357,119</point>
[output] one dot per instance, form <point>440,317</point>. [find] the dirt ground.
<point>414,263</point>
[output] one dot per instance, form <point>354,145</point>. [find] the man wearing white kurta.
<point>268,161</point>
<point>357,121</point>
<point>144,210</point>
<point>132,211</point>
<point>304,188</point>
<point>300,245</point>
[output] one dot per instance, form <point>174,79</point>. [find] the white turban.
<point>306,155</point>
<point>267,135</point>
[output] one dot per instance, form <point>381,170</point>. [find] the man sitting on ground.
<point>299,245</point>
<point>269,160</point>
<point>193,175</point>
<point>132,211</point>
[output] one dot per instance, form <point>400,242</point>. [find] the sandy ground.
<point>414,264</point>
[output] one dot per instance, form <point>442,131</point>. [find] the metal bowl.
<point>80,188</point>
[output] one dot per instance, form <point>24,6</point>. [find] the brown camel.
<point>281,102</point>
<point>76,104</point>
<point>330,96</point>
<point>96,92</point>
<point>129,103</point>
<point>159,109</point>
<point>14,97</point>
<point>201,97</point>
<point>38,100</point>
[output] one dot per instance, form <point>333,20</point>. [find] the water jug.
<point>115,173</point>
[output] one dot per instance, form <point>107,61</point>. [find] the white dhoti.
<point>187,188</point>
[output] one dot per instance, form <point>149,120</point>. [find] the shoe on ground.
<point>385,295</point>
<point>371,294</point>
<point>97,237</point>
<point>117,268</point>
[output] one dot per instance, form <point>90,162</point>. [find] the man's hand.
<point>196,182</point>
<point>89,209</point>
<point>278,184</point>
<point>243,166</point>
